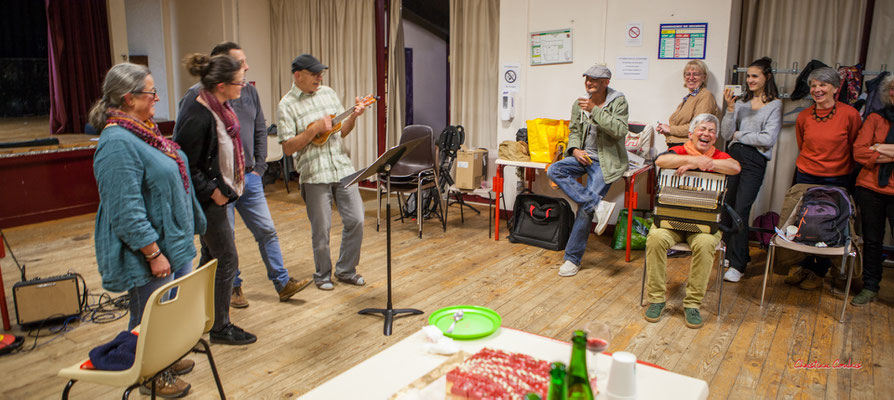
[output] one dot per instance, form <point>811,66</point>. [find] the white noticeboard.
<point>634,34</point>
<point>551,47</point>
<point>633,68</point>
<point>509,79</point>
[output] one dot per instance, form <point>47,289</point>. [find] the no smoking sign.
<point>634,34</point>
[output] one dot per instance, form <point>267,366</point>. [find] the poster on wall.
<point>551,47</point>
<point>682,41</point>
<point>634,68</point>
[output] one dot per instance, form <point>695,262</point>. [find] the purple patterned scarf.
<point>231,122</point>
<point>149,133</point>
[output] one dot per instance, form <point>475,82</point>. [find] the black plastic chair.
<point>415,172</point>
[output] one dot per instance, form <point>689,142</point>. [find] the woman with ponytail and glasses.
<point>208,132</point>
<point>148,215</point>
<point>751,126</point>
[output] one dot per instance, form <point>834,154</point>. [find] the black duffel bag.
<point>541,221</point>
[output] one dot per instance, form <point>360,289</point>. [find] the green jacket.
<point>611,130</point>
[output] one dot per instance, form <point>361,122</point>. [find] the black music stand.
<point>382,167</point>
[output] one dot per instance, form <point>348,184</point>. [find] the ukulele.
<point>322,138</point>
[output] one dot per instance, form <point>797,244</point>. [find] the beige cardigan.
<point>703,102</point>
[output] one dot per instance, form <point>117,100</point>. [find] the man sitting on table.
<point>596,142</point>
<point>696,154</point>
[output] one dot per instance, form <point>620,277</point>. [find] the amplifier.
<point>41,299</point>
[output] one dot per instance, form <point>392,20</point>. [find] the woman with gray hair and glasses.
<point>874,149</point>
<point>825,133</point>
<point>148,214</point>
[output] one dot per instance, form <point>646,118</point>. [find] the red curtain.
<point>80,55</point>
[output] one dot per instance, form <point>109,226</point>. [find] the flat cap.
<point>599,71</point>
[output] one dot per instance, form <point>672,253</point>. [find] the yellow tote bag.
<point>544,138</point>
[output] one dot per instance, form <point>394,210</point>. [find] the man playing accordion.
<point>698,153</point>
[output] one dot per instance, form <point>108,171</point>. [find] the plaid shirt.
<point>315,164</point>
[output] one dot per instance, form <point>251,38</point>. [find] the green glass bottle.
<point>577,383</point>
<point>557,382</point>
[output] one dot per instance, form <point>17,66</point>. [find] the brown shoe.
<point>812,282</point>
<point>166,386</point>
<point>293,287</point>
<point>184,366</point>
<point>238,299</point>
<point>797,275</point>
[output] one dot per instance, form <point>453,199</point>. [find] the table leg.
<point>497,184</point>
<point>6,326</point>
<point>630,199</point>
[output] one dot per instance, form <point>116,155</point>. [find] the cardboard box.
<point>470,168</point>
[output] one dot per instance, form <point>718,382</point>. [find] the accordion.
<point>689,202</point>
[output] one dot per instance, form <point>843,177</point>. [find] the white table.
<point>385,373</point>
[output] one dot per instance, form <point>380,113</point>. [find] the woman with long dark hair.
<point>148,215</point>
<point>751,126</point>
<point>208,132</point>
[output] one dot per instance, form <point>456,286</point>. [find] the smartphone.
<point>737,89</point>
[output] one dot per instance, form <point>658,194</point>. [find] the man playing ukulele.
<point>304,115</point>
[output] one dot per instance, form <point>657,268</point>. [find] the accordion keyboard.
<point>691,189</point>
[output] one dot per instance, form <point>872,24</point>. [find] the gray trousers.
<point>319,198</point>
<point>220,243</point>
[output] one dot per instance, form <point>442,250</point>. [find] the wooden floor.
<point>747,353</point>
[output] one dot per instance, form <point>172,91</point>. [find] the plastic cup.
<point>622,376</point>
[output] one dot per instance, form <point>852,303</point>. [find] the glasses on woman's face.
<point>692,74</point>
<point>240,83</point>
<point>153,92</point>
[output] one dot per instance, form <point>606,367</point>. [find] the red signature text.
<point>837,364</point>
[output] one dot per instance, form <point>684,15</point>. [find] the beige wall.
<point>195,26</point>
<point>599,28</point>
<point>254,36</point>
<point>117,30</point>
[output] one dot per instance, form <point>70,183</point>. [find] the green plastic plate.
<point>477,322</point>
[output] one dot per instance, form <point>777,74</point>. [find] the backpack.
<point>823,216</point>
<point>765,224</point>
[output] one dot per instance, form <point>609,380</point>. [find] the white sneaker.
<point>603,213</point>
<point>568,269</point>
<point>732,275</point>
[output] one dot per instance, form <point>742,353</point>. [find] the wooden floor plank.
<point>746,353</point>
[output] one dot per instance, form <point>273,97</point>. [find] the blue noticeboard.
<point>682,41</point>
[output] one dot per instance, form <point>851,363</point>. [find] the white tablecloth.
<point>399,365</point>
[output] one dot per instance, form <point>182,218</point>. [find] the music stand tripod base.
<point>382,166</point>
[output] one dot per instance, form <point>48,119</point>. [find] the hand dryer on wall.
<point>507,105</point>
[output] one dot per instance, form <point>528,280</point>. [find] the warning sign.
<point>634,34</point>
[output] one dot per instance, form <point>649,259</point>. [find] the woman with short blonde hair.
<point>699,100</point>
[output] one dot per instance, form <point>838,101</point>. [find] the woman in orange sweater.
<point>698,101</point>
<point>874,149</point>
<point>825,132</point>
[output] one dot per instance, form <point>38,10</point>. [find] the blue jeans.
<point>252,206</point>
<point>565,173</point>
<point>139,295</point>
